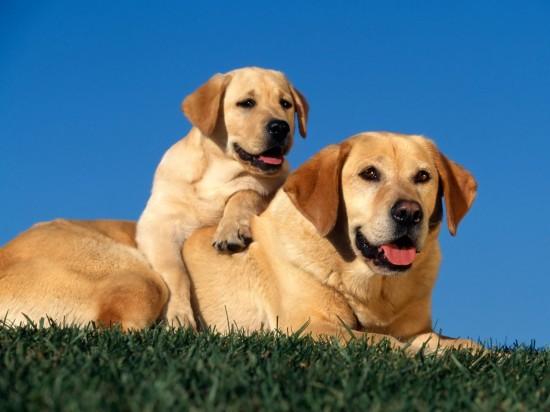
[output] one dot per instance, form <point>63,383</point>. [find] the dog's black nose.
<point>407,212</point>
<point>278,130</point>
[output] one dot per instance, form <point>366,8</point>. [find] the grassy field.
<point>89,369</point>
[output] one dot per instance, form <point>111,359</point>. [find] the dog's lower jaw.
<point>272,165</point>
<point>376,259</point>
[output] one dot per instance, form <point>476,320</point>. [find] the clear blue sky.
<point>90,95</point>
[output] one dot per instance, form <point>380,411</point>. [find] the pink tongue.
<point>401,257</point>
<point>271,160</point>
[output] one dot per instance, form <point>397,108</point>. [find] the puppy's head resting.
<point>389,187</point>
<point>249,112</point>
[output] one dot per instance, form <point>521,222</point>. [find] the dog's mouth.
<point>270,160</point>
<point>397,255</point>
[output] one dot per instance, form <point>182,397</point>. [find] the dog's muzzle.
<point>268,161</point>
<point>397,255</point>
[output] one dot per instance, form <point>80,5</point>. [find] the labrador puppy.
<point>222,173</point>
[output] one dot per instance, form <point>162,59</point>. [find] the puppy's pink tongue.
<point>271,160</point>
<point>401,257</point>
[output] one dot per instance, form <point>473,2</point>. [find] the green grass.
<point>156,369</point>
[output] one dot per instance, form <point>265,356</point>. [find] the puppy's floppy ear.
<point>459,189</point>
<point>202,107</point>
<point>314,188</point>
<point>302,109</point>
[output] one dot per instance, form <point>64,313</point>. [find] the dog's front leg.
<point>163,251</point>
<point>233,233</point>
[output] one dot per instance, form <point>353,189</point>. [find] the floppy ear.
<point>202,107</point>
<point>302,109</point>
<point>314,188</point>
<point>459,189</point>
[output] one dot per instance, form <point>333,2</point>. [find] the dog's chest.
<point>222,179</point>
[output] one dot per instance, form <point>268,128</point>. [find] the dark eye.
<point>370,174</point>
<point>422,177</point>
<point>285,104</point>
<point>247,103</point>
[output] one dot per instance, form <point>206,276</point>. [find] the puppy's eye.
<point>422,177</point>
<point>247,103</point>
<point>285,104</point>
<point>371,174</point>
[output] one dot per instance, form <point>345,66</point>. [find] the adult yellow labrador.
<point>349,245</point>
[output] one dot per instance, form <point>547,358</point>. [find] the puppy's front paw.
<point>231,237</point>
<point>180,315</point>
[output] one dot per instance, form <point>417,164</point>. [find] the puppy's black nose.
<point>407,212</point>
<point>278,130</point>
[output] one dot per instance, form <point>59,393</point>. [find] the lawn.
<point>157,369</point>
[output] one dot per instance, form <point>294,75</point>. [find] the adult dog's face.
<point>388,188</point>
<point>250,113</point>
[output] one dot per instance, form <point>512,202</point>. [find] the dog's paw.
<point>433,343</point>
<point>466,344</point>
<point>232,237</point>
<point>180,316</point>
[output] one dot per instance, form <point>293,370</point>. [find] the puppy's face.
<point>255,116</point>
<point>258,109</point>
<point>390,190</point>
<point>387,190</point>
